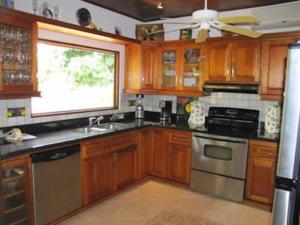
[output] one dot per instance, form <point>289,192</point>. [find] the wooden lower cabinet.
<point>159,153</point>
<point>179,163</point>
<point>98,174</point>
<point>145,152</point>
<point>16,206</point>
<point>126,165</point>
<point>261,171</point>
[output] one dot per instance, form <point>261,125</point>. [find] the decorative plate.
<point>83,17</point>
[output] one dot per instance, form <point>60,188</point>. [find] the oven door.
<point>220,155</point>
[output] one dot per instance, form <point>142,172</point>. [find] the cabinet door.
<point>218,61</point>
<point>245,61</point>
<point>159,153</point>
<point>261,171</point>
<point>150,60</point>
<point>18,57</point>
<point>168,68</point>
<point>16,192</point>
<point>273,65</point>
<point>179,163</point>
<point>145,153</point>
<point>260,179</point>
<point>98,176</point>
<point>126,165</point>
<point>193,68</point>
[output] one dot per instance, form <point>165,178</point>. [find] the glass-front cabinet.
<point>192,68</point>
<point>15,192</point>
<point>169,68</point>
<point>181,68</point>
<point>18,39</point>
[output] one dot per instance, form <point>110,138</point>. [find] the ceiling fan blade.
<point>202,35</point>
<point>183,23</point>
<point>240,20</point>
<point>237,30</point>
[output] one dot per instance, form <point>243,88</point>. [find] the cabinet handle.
<point>128,149</point>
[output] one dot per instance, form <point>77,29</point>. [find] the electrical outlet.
<point>131,102</point>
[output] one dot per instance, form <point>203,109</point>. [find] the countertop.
<point>51,139</point>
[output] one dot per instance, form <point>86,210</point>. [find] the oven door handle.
<point>219,139</point>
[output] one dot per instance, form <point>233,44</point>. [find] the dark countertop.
<point>51,139</point>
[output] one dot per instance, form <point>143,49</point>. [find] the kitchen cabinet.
<point>273,64</point>
<point>126,160</point>
<point>159,153</point>
<point>108,164</point>
<point>232,61</point>
<point>180,68</point>
<point>16,192</point>
<point>172,155</point>
<point>18,54</point>
<point>179,156</point>
<point>261,171</point>
<point>97,161</point>
<point>145,152</point>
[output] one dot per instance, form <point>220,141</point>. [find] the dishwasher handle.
<point>55,154</point>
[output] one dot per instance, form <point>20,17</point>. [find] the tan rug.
<point>175,217</point>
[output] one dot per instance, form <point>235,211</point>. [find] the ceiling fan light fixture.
<point>204,15</point>
<point>160,5</point>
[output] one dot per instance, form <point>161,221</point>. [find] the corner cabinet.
<point>16,192</point>
<point>232,61</point>
<point>261,171</point>
<point>18,57</point>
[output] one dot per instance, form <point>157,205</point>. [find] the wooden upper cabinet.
<point>273,66</point>
<point>168,68</point>
<point>18,52</point>
<point>232,61</point>
<point>245,61</point>
<point>217,61</point>
<point>133,68</point>
<point>261,171</point>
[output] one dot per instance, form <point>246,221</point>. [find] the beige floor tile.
<point>139,205</point>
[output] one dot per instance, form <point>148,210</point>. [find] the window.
<point>73,78</point>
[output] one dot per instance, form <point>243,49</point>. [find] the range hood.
<point>231,87</point>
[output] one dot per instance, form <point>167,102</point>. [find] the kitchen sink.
<point>101,128</point>
<point>111,126</point>
<point>88,130</point>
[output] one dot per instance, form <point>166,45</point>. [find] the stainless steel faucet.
<point>95,120</point>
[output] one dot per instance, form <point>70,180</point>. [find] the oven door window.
<point>218,152</point>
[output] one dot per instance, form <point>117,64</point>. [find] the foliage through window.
<point>74,79</point>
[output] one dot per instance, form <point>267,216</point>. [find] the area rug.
<point>175,217</point>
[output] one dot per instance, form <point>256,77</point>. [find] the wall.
<point>103,18</point>
<point>234,100</point>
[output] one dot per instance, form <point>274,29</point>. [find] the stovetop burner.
<point>232,122</point>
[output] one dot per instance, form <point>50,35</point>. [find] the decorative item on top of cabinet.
<point>273,64</point>
<point>232,60</point>
<point>16,192</point>
<point>18,39</point>
<point>261,171</point>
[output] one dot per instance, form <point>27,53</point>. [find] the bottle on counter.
<point>139,109</point>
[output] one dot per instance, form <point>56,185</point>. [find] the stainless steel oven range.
<point>219,156</point>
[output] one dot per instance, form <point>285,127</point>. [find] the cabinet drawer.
<point>181,138</point>
<point>125,139</point>
<point>264,149</point>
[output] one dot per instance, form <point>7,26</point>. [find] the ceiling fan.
<point>205,19</point>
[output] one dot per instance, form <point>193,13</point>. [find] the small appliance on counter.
<point>139,109</point>
<point>272,119</point>
<point>166,111</point>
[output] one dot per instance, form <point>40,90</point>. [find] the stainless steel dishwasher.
<point>56,183</point>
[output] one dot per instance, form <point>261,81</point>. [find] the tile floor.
<point>139,205</point>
